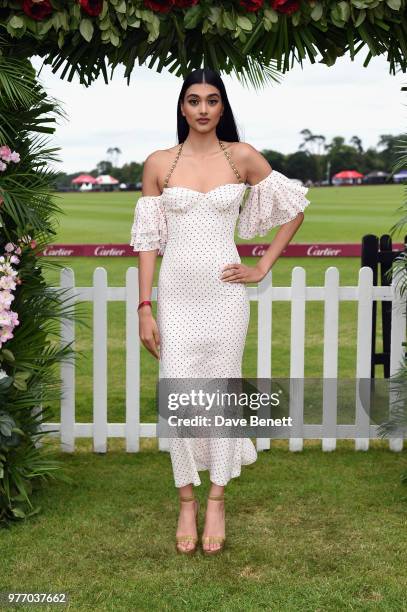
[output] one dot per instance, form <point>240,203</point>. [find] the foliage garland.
<point>241,36</point>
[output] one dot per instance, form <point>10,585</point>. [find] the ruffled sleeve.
<point>273,201</point>
<point>149,230</point>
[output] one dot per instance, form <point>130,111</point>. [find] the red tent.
<point>84,178</point>
<point>348,174</point>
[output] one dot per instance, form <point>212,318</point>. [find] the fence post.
<point>264,332</point>
<point>132,362</point>
<point>298,297</point>
<point>100,360</point>
<point>330,366</point>
<point>363,356</point>
<point>67,426</point>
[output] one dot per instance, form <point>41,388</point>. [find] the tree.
<point>114,153</point>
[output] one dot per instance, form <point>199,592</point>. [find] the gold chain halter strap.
<point>235,170</point>
<point>174,163</point>
<point>222,146</point>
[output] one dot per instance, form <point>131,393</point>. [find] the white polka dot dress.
<point>202,319</point>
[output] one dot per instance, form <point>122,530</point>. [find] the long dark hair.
<point>226,128</point>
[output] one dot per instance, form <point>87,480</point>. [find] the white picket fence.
<point>331,294</point>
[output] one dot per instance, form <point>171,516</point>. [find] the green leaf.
<point>296,18</point>
<point>244,23</point>
<point>114,39</point>
<point>228,22</point>
<point>121,7</point>
<point>61,39</point>
<point>86,29</point>
<point>214,14</point>
<point>104,10</point>
<point>16,22</point>
<point>133,22</point>
<point>343,10</point>
<point>336,17</point>
<point>75,10</point>
<point>18,512</point>
<point>271,15</point>
<point>122,19</point>
<point>18,431</point>
<point>7,355</point>
<point>192,17</point>
<point>20,385</point>
<point>44,27</point>
<point>105,24</point>
<point>317,12</point>
<point>360,18</point>
<point>394,4</point>
<point>22,375</point>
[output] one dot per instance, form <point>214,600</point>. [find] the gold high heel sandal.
<point>188,538</point>
<point>214,539</point>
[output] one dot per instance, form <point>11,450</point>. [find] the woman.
<point>192,196</point>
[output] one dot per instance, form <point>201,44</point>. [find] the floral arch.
<point>247,37</point>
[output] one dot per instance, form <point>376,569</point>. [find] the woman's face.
<point>202,101</point>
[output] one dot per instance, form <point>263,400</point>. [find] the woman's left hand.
<point>240,273</point>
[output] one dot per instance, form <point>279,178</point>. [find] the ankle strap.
<point>189,498</point>
<point>216,497</point>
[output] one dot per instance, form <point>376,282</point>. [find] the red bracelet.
<point>143,303</point>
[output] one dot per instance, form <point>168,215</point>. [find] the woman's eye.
<point>211,102</point>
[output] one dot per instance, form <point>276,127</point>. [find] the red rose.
<point>92,7</point>
<point>251,5</point>
<point>285,6</point>
<point>160,6</point>
<point>37,9</point>
<point>185,3</point>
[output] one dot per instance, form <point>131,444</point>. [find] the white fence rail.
<point>331,294</point>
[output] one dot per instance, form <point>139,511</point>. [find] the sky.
<point>346,99</point>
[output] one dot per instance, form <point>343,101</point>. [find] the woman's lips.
<point>203,120</point>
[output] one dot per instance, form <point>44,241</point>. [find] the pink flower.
<point>9,270</point>
<point>5,152</point>
<point>7,282</point>
<point>6,297</point>
<point>3,166</point>
<point>15,157</point>
<point>14,317</point>
<point>9,247</point>
<point>6,335</point>
<point>14,259</point>
<point>33,244</point>
<point>18,250</point>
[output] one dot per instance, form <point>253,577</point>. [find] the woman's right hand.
<point>148,331</point>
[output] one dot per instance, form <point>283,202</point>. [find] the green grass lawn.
<point>307,531</point>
